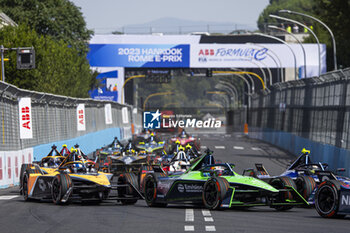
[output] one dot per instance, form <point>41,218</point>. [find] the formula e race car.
<point>74,180</point>
<point>183,138</point>
<point>49,163</point>
<point>151,147</point>
<point>303,172</point>
<point>218,186</point>
<point>180,161</point>
<point>129,160</point>
<point>102,156</point>
<point>332,198</point>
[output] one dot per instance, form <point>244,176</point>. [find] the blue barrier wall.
<point>335,157</point>
<point>88,143</point>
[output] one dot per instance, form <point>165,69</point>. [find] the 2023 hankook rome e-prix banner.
<point>110,54</point>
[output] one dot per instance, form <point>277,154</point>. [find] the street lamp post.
<point>329,30</point>
<point>296,38</point>
<point>304,26</point>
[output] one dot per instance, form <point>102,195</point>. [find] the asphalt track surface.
<point>19,216</point>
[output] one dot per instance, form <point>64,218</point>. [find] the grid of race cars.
<point>161,172</point>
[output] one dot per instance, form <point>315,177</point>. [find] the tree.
<point>335,14</point>
<point>60,19</point>
<point>303,6</point>
<point>60,69</point>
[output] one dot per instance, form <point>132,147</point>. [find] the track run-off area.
<point>19,216</point>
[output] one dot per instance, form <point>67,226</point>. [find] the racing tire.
<point>21,174</point>
<point>24,185</point>
<point>124,192</point>
<point>150,191</point>
<point>327,199</point>
<point>214,192</point>
<point>60,185</point>
<point>305,186</point>
<point>281,183</point>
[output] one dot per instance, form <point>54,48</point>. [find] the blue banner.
<point>139,55</point>
<point>108,87</point>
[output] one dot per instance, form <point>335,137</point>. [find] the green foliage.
<point>60,69</point>
<point>60,19</point>
<point>303,6</point>
<point>335,13</point>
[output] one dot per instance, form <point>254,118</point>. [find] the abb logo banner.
<point>81,126</point>
<point>25,118</point>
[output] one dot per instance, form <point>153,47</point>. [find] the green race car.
<point>218,186</point>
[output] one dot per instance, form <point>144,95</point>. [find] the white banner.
<point>10,165</point>
<point>255,55</point>
<point>108,114</point>
<point>81,117</point>
<point>25,118</point>
<point>125,115</point>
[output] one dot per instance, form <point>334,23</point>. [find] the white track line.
<point>256,148</point>
<point>8,197</point>
<point>206,213</point>
<point>189,228</point>
<point>219,147</point>
<point>210,228</point>
<point>238,148</point>
<point>208,219</point>
<point>203,147</point>
<point>189,216</point>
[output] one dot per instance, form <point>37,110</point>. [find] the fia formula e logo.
<point>151,120</point>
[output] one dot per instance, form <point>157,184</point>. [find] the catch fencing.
<point>314,108</point>
<point>54,118</point>
<point>32,121</point>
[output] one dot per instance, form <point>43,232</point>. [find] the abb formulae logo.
<point>81,117</point>
<point>25,118</point>
<point>206,52</point>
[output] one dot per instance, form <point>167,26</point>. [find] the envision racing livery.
<point>218,186</point>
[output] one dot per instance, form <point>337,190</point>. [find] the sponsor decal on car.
<point>189,188</point>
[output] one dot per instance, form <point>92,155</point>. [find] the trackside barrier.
<point>313,113</point>
<point>335,157</point>
<point>30,122</point>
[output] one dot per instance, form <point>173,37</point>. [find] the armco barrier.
<point>335,157</point>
